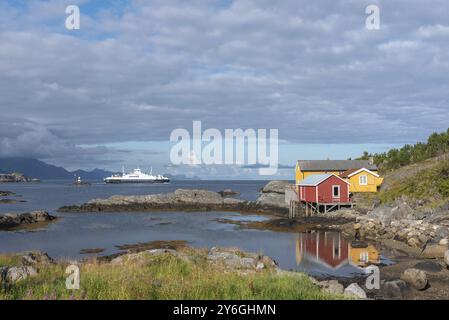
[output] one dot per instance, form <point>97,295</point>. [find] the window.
<point>363,180</point>
<point>364,257</point>
<point>336,191</point>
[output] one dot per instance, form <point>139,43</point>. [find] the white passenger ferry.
<point>136,176</point>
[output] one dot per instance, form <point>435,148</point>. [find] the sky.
<point>111,93</point>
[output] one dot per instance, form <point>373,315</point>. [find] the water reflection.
<point>328,253</point>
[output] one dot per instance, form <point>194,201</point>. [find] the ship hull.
<point>136,181</point>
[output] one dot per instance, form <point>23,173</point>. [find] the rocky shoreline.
<point>180,200</point>
<point>13,221</point>
<point>14,177</point>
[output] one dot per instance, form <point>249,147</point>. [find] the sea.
<point>317,253</point>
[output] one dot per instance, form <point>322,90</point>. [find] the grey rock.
<point>434,251</point>
<point>15,274</point>
<point>395,289</point>
<point>354,290</point>
<point>13,220</point>
<point>416,278</point>
<point>33,258</point>
<point>275,186</point>
<point>331,286</point>
<point>272,200</point>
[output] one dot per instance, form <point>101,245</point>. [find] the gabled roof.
<point>315,179</point>
<point>351,172</point>
<point>335,165</point>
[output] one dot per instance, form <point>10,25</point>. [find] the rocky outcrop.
<point>273,195</point>
<point>236,259</point>
<point>180,200</point>
<point>31,261</point>
<point>11,275</point>
<point>231,259</point>
<point>275,186</point>
<point>403,223</point>
<point>6,193</point>
<point>14,220</point>
<point>13,177</point>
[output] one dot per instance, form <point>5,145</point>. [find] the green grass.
<point>163,277</point>
<point>430,185</point>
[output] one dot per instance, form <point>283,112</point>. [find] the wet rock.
<point>354,290</point>
<point>416,278</point>
<point>13,220</point>
<point>182,200</point>
<point>331,286</point>
<point>395,289</point>
<point>434,251</point>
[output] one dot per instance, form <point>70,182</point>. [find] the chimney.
<point>371,160</point>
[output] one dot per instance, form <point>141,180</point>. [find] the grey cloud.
<point>309,68</point>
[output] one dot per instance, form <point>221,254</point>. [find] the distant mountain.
<point>34,168</point>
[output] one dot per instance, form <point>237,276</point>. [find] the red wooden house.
<point>324,190</point>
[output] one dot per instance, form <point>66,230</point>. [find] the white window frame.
<point>366,180</point>
<point>333,194</point>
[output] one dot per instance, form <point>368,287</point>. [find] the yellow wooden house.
<point>362,180</point>
<point>363,177</point>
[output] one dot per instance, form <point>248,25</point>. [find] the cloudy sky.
<point>111,93</point>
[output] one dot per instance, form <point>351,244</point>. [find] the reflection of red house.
<point>327,248</point>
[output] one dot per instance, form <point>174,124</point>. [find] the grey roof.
<point>315,179</point>
<point>335,165</point>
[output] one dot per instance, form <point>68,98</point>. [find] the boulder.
<point>354,290</point>
<point>444,242</point>
<point>434,251</point>
<point>275,186</point>
<point>272,200</point>
<point>416,278</point>
<point>395,289</point>
<point>15,274</point>
<point>385,214</point>
<point>331,286</point>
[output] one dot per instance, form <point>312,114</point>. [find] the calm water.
<point>316,253</point>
